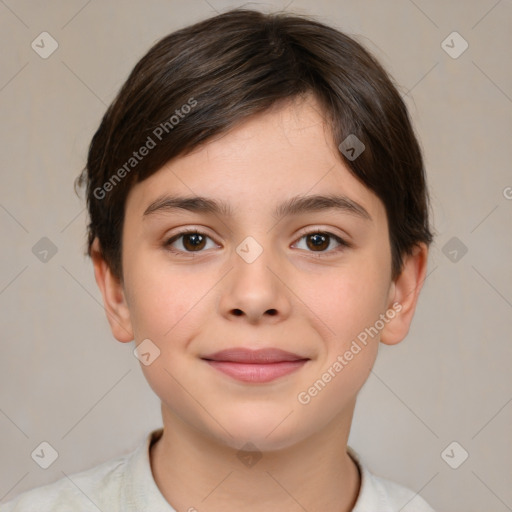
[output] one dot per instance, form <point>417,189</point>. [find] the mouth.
<point>257,366</point>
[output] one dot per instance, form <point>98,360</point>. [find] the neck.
<point>196,472</point>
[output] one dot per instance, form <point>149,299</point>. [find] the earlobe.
<point>116,308</point>
<point>404,293</point>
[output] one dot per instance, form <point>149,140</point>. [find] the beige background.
<point>63,377</point>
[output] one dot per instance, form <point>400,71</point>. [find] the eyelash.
<point>343,243</point>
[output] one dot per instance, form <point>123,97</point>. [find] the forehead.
<point>282,153</point>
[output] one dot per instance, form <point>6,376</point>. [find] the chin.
<point>266,430</point>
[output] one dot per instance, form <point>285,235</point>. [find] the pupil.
<point>195,238</point>
<point>318,240</point>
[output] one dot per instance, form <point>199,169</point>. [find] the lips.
<point>260,356</point>
<point>255,366</point>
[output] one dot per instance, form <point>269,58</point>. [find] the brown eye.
<point>318,241</point>
<point>191,241</point>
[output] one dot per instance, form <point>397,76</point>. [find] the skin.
<point>309,301</point>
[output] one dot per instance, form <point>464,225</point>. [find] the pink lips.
<point>259,366</point>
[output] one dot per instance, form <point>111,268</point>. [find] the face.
<point>307,281</point>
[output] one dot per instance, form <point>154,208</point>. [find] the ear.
<point>404,293</point>
<point>112,290</point>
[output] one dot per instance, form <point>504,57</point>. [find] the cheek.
<point>347,314</point>
<point>352,300</point>
<point>159,299</point>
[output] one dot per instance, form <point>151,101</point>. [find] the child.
<point>258,224</point>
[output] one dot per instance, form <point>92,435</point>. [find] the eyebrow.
<point>294,206</point>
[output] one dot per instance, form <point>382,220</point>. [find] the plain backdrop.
<point>65,380</point>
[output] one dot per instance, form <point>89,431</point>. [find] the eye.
<point>192,241</point>
<point>319,241</point>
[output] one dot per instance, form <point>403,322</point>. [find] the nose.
<point>255,290</point>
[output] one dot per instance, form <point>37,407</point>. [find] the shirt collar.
<point>139,489</point>
<point>370,496</point>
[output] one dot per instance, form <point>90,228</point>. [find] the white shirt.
<point>126,484</point>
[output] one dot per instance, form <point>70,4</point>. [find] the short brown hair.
<point>232,66</point>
